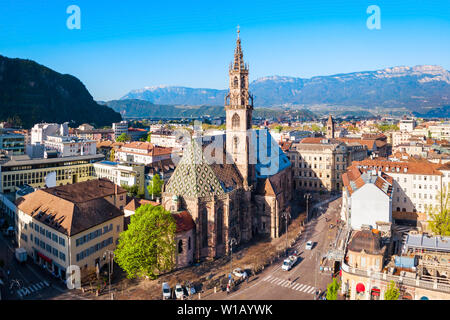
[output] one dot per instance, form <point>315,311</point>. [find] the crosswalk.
<point>289,284</point>
<point>32,288</point>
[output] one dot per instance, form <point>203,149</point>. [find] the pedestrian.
<point>246,277</point>
<point>228,289</point>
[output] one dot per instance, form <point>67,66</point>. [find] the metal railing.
<point>414,282</point>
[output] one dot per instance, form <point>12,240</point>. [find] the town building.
<point>12,143</point>
<point>71,225</point>
<point>142,152</point>
<point>122,174</point>
<point>318,163</point>
<point>120,128</point>
<point>17,171</point>
<point>417,185</point>
<point>417,264</point>
<point>68,146</point>
<point>366,198</point>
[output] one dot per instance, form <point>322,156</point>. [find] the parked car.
<point>238,272</point>
<point>166,291</point>
<point>179,293</point>
<point>309,245</point>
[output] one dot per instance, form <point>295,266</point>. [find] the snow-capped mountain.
<point>412,87</point>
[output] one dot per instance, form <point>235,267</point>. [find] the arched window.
<point>189,243</point>
<point>180,246</point>
<point>235,121</point>
<point>235,82</point>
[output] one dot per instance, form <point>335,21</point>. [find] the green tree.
<point>315,128</point>
<point>392,292</point>
<point>147,247</point>
<point>333,289</point>
<point>149,137</point>
<point>123,138</point>
<point>133,191</point>
<point>278,128</point>
<point>440,215</point>
<point>154,188</point>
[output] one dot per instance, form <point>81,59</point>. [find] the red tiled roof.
<point>184,221</point>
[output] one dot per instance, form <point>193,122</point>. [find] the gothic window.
<point>219,225</point>
<point>235,121</point>
<point>189,243</point>
<point>243,83</point>
<point>204,227</point>
<point>180,246</point>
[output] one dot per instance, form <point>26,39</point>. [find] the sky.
<point>126,45</point>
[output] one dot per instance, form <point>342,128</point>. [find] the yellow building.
<point>20,170</point>
<point>71,225</point>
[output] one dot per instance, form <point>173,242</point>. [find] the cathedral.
<point>244,194</point>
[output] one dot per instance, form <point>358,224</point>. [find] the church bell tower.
<point>239,108</point>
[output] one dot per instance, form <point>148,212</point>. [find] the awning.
<point>360,287</point>
<point>44,257</point>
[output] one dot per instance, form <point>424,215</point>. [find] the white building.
<point>119,128</point>
<point>122,174</point>
<point>41,131</point>
<point>407,125</point>
<point>416,186</point>
<point>366,198</point>
<point>142,152</point>
<point>70,146</point>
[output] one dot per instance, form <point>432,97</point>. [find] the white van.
<point>166,291</point>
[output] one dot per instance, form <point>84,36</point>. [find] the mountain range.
<point>416,88</point>
<point>32,93</point>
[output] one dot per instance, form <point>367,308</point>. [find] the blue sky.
<point>131,44</point>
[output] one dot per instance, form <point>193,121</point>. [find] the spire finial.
<point>238,31</point>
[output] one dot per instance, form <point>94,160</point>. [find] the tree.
<point>149,137</point>
<point>440,215</point>
<point>333,289</point>
<point>392,292</point>
<point>154,188</point>
<point>123,138</point>
<point>112,155</point>
<point>278,128</point>
<point>133,191</point>
<point>147,247</point>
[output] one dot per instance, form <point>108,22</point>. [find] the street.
<point>304,279</point>
<point>28,281</point>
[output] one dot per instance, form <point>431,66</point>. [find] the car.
<point>166,291</point>
<point>289,263</point>
<point>179,293</point>
<point>238,272</point>
<point>309,245</point>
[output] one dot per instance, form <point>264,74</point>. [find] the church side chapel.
<point>236,200</point>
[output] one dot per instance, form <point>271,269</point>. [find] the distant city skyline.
<point>130,45</point>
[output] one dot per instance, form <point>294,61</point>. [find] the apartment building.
<point>142,152</point>
<point>70,146</point>
<point>119,128</point>
<point>318,163</point>
<point>416,187</point>
<point>71,225</point>
<point>122,174</point>
<point>17,171</point>
<point>12,143</point>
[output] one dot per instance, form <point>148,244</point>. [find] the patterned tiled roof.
<point>193,177</point>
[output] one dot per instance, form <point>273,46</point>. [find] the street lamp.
<point>231,242</point>
<point>286,215</point>
<point>110,255</point>
<point>307,196</point>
